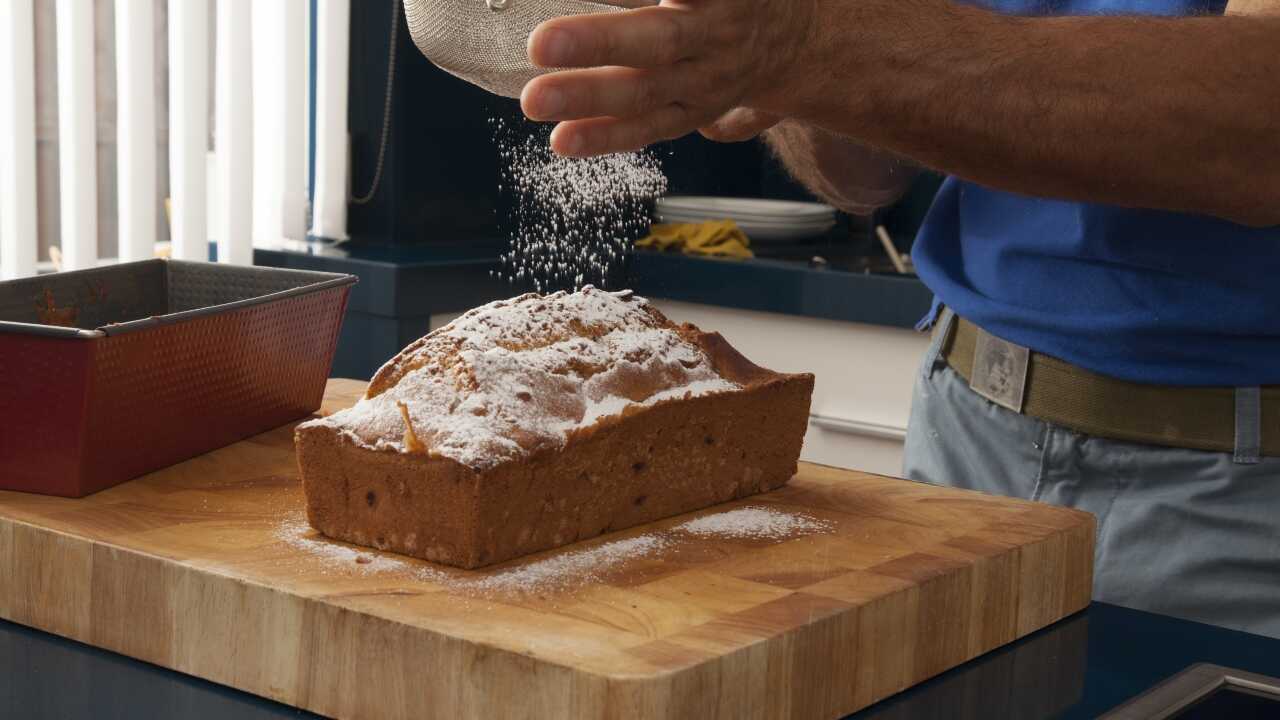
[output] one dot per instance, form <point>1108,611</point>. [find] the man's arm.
<point>1253,7</point>
<point>841,171</point>
<point>1178,114</point>
<point>850,176</point>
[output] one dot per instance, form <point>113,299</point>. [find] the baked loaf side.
<point>535,422</point>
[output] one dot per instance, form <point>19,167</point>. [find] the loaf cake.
<point>535,422</point>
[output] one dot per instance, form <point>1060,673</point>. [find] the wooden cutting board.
<point>207,568</point>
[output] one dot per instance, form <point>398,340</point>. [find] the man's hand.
<point>659,73</point>
<point>1148,112</point>
<point>739,125</point>
<point>850,176</point>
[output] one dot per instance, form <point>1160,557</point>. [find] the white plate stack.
<point>763,220</point>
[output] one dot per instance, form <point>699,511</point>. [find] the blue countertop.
<point>787,287</point>
<point>1077,668</point>
<point>437,278</point>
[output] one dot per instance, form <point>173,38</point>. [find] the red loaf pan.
<point>108,374</point>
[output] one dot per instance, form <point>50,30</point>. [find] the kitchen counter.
<point>1077,668</point>
<point>786,287</point>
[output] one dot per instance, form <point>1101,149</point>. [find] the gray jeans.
<point>1180,532</point>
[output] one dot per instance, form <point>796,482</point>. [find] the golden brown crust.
<point>731,364</point>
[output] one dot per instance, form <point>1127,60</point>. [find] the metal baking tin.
<point>110,373</point>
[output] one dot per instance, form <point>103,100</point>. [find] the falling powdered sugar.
<point>754,522</point>
<point>574,219</point>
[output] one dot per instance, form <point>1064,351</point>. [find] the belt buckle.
<point>999,370</point>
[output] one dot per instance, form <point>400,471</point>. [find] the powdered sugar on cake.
<point>517,376</point>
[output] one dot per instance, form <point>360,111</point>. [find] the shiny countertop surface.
<point>1077,668</point>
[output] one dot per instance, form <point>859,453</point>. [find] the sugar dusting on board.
<point>561,569</point>
<point>564,568</point>
<point>517,376</point>
<point>296,533</point>
<point>569,568</point>
<point>573,219</point>
<point>754,522</point>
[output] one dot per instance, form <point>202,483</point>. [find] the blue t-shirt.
<point>1143,295</point>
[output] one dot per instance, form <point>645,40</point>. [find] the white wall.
<point>864,375</point>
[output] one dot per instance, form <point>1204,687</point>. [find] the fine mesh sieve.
<point>484,41</point>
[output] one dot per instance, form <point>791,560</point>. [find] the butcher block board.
<point>208,569</point>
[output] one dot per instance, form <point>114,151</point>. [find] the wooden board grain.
<point>203,568</point>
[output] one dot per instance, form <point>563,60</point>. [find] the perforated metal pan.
<point>111,373</point>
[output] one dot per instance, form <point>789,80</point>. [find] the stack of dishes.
<point>762,220</point>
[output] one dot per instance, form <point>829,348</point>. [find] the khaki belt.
<point>1200,418</point>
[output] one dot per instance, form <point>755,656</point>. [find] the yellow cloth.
<point>715,237</point>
